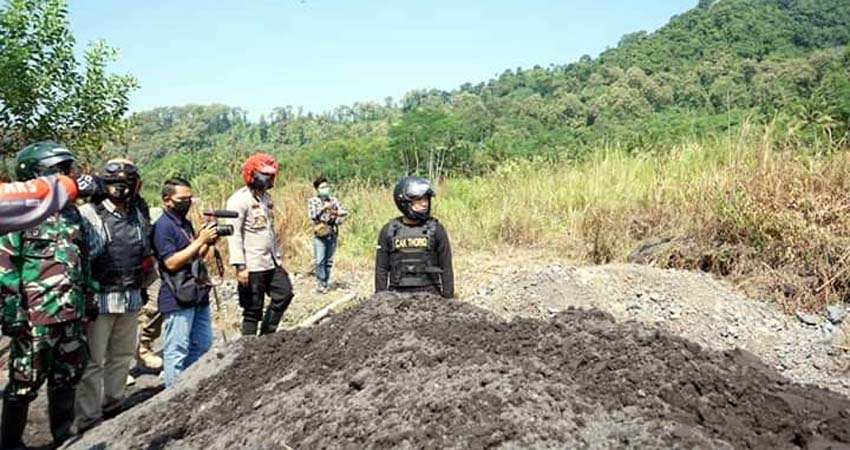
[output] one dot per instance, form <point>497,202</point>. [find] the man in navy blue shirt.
<point>187,324</point>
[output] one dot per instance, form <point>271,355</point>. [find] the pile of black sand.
<point>423,372</point>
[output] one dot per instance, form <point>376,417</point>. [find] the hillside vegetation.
<point>779,62</point>
<point>773,221</point>
<point>715,143</point>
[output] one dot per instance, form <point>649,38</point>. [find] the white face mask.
<point>324,191</point>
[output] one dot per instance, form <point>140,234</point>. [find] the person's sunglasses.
<point>114,168</point>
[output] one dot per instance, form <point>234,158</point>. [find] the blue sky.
<point>321,53</point>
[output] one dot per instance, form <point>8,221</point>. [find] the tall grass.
<point>772,219</point>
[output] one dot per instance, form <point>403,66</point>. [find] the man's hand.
<point>208,234</point>
<point>242,276</point>
<point>88,185</point>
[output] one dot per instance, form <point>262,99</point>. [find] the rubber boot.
<point>270,321</point>
<point>249,328</point>
<point>14,421</point>
<point>60,408</point>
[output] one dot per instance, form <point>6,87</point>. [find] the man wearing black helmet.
<point>414,254</point>
<point>121,231</point>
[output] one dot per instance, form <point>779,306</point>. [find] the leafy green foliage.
<point>780,62</point>
<point>44,91</point>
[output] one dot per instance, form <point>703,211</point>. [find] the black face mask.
<point>261,181</point>
<point>181,208</point>
<point>118,192</point>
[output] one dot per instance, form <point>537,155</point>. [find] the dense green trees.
<point>785,62</point>
<point>45,92</point>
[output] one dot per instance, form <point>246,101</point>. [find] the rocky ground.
<point>807,348</point>
<point>422,372</point>
<point>651,365</point>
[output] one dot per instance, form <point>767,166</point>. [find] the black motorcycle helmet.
<point>123,176</point>
<point>409,188</point>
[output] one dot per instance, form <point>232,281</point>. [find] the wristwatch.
<point>239,267</point>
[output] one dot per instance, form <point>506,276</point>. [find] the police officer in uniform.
<point>45,293</point>
<point>414,254</point>
<point>255,246</point>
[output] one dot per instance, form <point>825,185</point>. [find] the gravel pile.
<point>423,372</point>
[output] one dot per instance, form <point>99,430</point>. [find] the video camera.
<point>220,228</point>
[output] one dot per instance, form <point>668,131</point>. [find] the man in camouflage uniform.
<point>44,280</point>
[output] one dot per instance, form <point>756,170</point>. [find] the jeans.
<point>188,335</point>
<point>323,250</point>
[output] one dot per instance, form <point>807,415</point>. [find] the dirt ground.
<point>227,319</point>
<point>658,359</point>
<point>422,372</point>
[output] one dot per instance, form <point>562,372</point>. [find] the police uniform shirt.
<point>254,242</point>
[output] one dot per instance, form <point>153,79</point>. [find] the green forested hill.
<point>785,62</point>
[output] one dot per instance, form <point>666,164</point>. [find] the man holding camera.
<point>121,262</point>
<point>255,249</point>
<point>184,294</point>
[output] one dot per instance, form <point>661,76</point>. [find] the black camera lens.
<point>224,229</point>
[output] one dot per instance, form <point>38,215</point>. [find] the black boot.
<point>60,408</point>
<point>14,418</point>
<point>270,321</point>
<point>249,327</point>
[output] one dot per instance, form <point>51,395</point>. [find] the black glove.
<point>91,313</point>
<point>13,329</point>
<point>89,185</point>
<point>92,310</point>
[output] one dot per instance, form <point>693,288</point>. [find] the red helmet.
<point>258,163</point>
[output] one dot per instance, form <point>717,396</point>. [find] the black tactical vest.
<point>413,255</point>
<point>119,267</point>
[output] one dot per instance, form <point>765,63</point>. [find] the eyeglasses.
<point>115,167</point>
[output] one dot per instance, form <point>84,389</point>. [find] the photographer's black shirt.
<point>170,235</point>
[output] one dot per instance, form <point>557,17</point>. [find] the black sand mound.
<point>422,372</point>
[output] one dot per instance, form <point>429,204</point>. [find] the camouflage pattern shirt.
<point>45,271</point>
